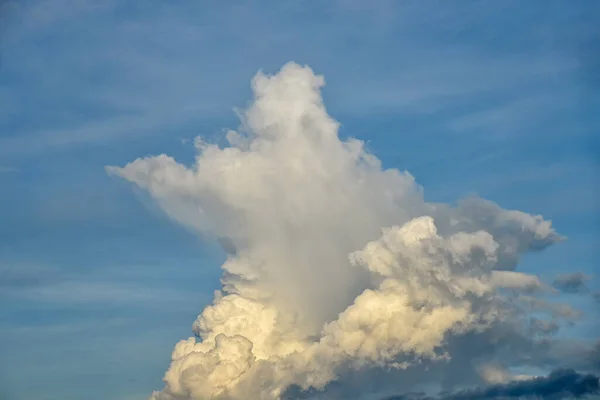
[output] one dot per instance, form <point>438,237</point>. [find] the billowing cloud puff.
<point>194,372</point>
<point>337,266</point>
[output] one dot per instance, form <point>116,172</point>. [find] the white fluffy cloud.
<point>335,264</point>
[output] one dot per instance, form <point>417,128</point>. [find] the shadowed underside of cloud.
<point>558,385</point>
<point>572,283</point>
<point>338,270</point>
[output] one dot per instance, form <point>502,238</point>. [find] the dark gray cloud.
<point>548,327</point>
<point>572,283</point>
<point>560,384</point>
<point>593,357</point>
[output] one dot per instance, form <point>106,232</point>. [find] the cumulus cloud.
<point>572,283</point>
<point>337,267</point>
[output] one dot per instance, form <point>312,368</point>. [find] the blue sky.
<point>498,99</point>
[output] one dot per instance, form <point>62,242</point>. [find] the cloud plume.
<point>337,266</point>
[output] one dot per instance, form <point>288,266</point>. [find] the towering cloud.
<point>337,267</point>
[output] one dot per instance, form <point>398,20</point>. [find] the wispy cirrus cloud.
<point>4,169</point>
<point>148,65</point>
<point>52,286</point>
<point>81,292</point>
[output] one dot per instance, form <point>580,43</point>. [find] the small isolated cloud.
<point>572,283</point>
<point>338,268</point>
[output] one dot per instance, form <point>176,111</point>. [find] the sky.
<point>100,278</point>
